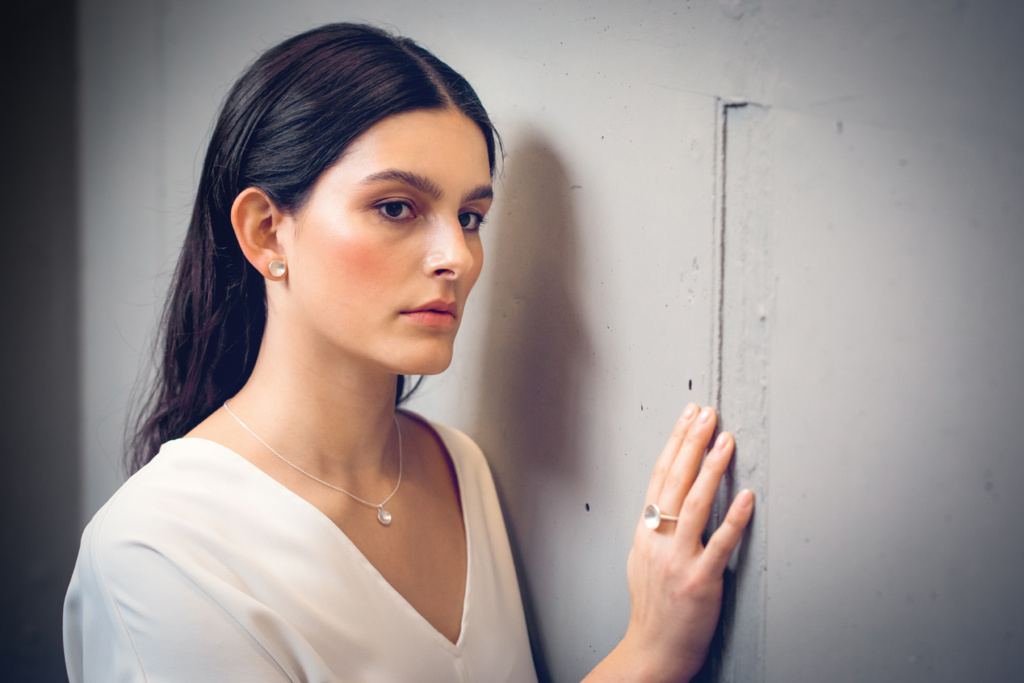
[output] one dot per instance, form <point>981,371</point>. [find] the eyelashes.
<point>398,211</point>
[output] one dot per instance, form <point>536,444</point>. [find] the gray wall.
<point>39,364</point>
<point>808,213</point>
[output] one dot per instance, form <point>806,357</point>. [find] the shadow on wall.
<point>536,354</point>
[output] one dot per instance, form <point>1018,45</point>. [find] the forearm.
<point>617,667</point>
<point>626,664</point>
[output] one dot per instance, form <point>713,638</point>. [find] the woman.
<point>291,524</point>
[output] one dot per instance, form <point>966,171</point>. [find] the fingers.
<point>727,537</point>
<point>681,475</point>
<point>669,453</point>
<point>696,509</point>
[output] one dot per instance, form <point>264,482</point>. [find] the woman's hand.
<point>675,582</point>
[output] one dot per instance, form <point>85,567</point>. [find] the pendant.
<point>383,516</point>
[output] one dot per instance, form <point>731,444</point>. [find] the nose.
<point>450,255</point>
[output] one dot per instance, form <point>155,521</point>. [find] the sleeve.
<point>132,614</point>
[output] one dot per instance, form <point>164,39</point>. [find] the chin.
<point>433,363</point>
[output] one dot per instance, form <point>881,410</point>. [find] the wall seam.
<point>739,321</point>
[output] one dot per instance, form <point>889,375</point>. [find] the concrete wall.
<point>808,213</point>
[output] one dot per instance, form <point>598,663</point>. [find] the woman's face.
<point>382,257</point>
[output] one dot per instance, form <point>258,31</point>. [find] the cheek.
<point>360,261</point>
<point>354,273</point>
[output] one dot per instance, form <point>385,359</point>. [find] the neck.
<point>330,415</point>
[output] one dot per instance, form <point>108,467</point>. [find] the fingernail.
<point>690,410</point>
<point>705,415</point>
<point>745,499</point>
<point>722,440</point>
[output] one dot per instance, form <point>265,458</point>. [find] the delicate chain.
<point>351,495</point>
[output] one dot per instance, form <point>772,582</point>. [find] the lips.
<point>437,306</point>
<point>437,313</point>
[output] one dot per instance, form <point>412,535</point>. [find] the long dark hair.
<point>287,119</point>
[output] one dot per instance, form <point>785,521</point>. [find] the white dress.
<point>202,567</point>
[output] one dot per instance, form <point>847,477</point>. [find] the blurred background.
<point>809,213</point>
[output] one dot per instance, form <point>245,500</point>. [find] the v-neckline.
<point>455,648</point>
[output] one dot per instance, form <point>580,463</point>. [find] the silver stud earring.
<point>277,268</point>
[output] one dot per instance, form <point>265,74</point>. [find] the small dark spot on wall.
<point>641,407</point>
<point>691,385</point>
<point>839,127</point>
<point>575,187</point>
<point>587,505</point>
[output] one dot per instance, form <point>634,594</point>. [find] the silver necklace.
<point>383,516</point>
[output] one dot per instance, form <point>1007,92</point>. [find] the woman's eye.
<point>395,211</point>
<point>470,221</point>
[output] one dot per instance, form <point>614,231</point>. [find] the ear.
<point>257,222</point>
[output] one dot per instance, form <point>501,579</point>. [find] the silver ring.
<point>653,517</point>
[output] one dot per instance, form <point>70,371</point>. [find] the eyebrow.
<point>423,184</point>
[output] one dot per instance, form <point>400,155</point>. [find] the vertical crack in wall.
<point>718,253</point>
<point>742,306</point>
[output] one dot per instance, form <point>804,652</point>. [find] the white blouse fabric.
<point>202,567</point>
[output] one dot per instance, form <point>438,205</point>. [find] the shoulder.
<point>182,468</point>
<point>160,510</point>
<point>156,591</point>
<point>176,524</point>
<point>461,448</point>
<point>123,565</point>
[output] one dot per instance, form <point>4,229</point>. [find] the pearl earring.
<point>277,268</point>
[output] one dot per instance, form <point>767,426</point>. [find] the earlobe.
<point>257,221</point>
